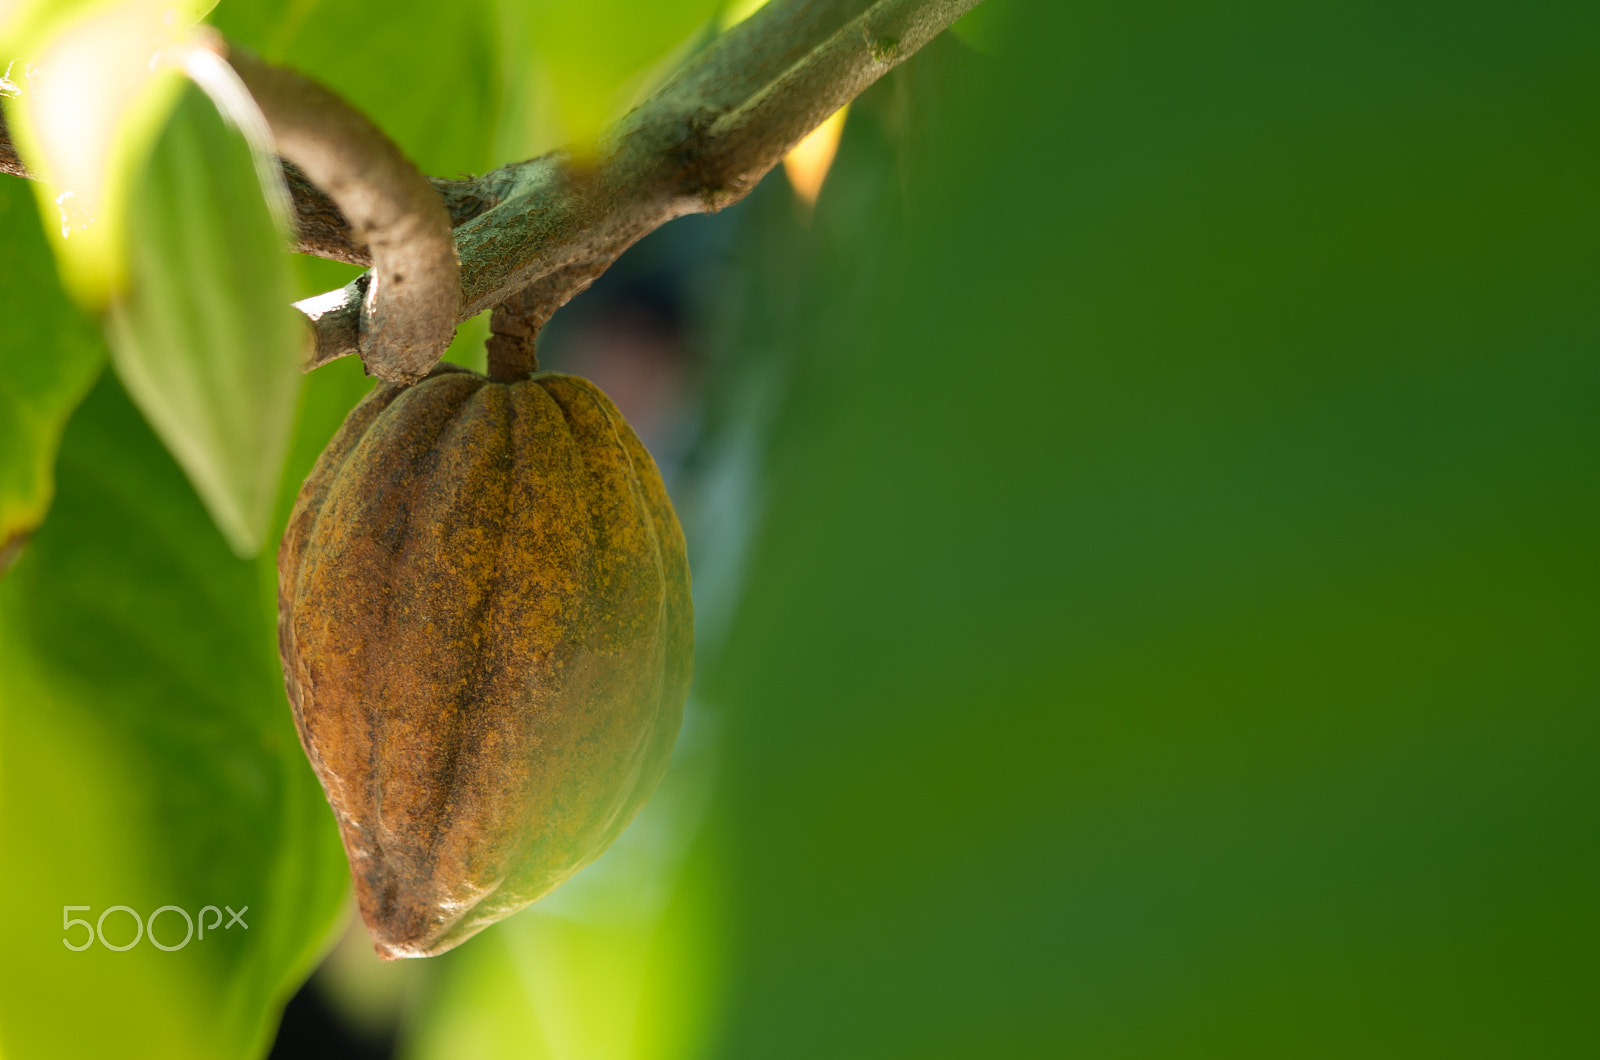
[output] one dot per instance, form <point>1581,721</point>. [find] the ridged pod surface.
<point>486,634</point>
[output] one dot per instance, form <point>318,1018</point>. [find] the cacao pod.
<point>486,634</point>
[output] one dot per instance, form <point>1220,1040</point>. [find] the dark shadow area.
<point>310,1029</point>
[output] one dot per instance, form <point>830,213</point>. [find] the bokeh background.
<point>1144,521</point>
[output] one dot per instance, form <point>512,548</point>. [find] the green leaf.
<point>619,964</point>
<point>985,26</point>
<point>1172,628</point>
<point>92,89</point>
<point>521,77</point>
<point>148,759</point>
<point>584,62</point>
<point>426,73</point>
<point>49,354</point>
<point>26,22</point>
<point>206,341</point>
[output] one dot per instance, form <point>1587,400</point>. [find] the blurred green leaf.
<point>986,26</point>
<point>619,964</point>
<point>206,341</point>
<point>574,65</point>
<point>544,986</point>
<point>1171,631</point>
<point>147,759</point>
<point>427,73</point>
<point>49,355</point>
<point>470,86</point>
<point>24,21</point>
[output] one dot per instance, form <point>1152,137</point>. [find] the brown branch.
<point>412,294</point>
<point>539,232</point>
<point>699,144</point>
<point>10,162</point>
<point>320,228</point>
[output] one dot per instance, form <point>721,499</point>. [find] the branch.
<point>10,163</point>
<point>532,235</point>
<point>701,143</point>
<point>407,314</point>
<point>320,227</point>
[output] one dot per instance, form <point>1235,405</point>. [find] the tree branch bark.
<point>321,229</point>
<point>699,144</point>
<point>413,292</point>
<point>543,230</point>
<point>10,162</point>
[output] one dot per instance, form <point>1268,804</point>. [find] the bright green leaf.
<point>206,342</point>
<point>49,354</point>
<point>91,89</point>
<point>148,759</point>
<point>25,21</point>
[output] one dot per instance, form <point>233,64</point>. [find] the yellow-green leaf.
<point>49,354</point>
<point>148,760</point>
<point>90,87</point>
<point>205,341</point>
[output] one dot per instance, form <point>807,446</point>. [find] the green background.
<point>1172,631</point>
<point>1144,526</point>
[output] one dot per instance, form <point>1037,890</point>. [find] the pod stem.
<point>512,356</point>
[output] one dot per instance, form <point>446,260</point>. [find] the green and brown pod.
<point>487,639</point>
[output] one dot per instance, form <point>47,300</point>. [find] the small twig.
<point>320,226</point>
<point>408,314</point>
